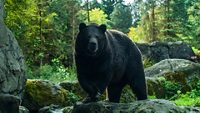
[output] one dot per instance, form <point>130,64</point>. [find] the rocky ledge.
<point>146,106</point>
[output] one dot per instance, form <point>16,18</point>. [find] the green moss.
<point>45,93</point>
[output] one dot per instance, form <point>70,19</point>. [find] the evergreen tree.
<point>121,17</point>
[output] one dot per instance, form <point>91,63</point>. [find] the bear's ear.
<point>103,27</point>
<point>82,26</point>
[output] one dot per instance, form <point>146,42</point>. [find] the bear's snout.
<point>93,45</point>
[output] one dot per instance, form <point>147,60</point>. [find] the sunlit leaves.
<point>98,16</point>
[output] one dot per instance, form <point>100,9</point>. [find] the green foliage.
<point>55,72</point>
<point>73,98</point>
<point>96,16</point>
<point>190,98</point>
<point>44,29</point>
<point>194,24</point>
<point>108,6</point>
<point>121,18</point>
<point>151,97</point>
<point>169,20</point>
<point>196,51</point>
<point>171,88</point>
<point>136,35</point>
<point>148,62</point>
<point>186,100</point>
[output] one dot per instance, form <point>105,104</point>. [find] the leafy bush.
<point>171,89</point>
<point>54,72</point>
<point>190,98</point>
<point>73,98</point>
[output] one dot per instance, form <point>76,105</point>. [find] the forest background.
<point>46,29</point>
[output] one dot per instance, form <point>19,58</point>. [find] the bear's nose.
<point>92,47</point>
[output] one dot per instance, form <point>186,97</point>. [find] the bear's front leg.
<point>91,98</point>
<point>90,88</point>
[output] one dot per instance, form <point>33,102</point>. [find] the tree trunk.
<point>73,37</point>
<point>88,11</point>
<point>153,22</point>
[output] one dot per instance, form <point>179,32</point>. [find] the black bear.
<point>108,59</point>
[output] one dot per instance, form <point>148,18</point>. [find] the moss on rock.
<point>40,93</point>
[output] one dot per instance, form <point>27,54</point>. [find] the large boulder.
<point>155,87</point>
<point>9,103</point>
<point>180,71</point>
<point>3,28</point>
<point>158,51</point>
<point>12,67</point>
<point>146,106</point>
<point>40,93</point>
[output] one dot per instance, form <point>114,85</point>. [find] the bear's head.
<point>91,39</point>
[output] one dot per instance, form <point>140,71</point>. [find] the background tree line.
<point>46,29</point>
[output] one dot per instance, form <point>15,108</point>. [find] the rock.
<point>146,106</point>
<point>9,103</point>
<point>56,109</point>
<point>3,28</point>
<point>68,109</point>
<point>22,109</point>
<point>180,71</point>
<point>74,87</point>
<point>158,51</point>
<point>155,87</point>
<point>51,109</point>
<point>12,67</point>
<point>40,93</point>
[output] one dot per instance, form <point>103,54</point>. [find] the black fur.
<point>117,62</point>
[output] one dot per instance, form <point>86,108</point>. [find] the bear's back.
<point>119,41</point>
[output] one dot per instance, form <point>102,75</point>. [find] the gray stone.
<point>180,71</point>
<point>3,28</point>
<point>9,103</point>
<point>158,51</point>
<point>56,109</point>
<point>22,109</point>
<point>51,109</point>
<point>146,106</point>
<point>155,87</point>
<point>12,67</point>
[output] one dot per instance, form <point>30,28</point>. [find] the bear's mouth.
<point>91,53</point>
<point>92,49</point>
